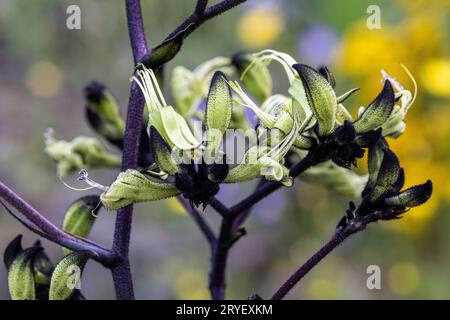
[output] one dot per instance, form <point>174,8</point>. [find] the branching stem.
<point>52,232</point>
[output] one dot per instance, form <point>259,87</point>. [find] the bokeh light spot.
<point>435,76</point>
<point>191,285</point>
<point>44,79</point>
<point>404,279</point>
<point>260,26</point>
<point>322,289</point>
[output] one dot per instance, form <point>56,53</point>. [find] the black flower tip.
<point>389,179</point>
<point>369,138</point>
<point>382,196</point>
<point>347,155</point>
<point>11,251</point>
<point>378,110</point>
<point>240,60</point>
<point>217,172</point>
<point>196,185</point>
<point>320,96</point>
<point>412,197</point>
<point>325,72</point>
<point>94,91</point>
<point>185,182</point>
<point>344,134</point>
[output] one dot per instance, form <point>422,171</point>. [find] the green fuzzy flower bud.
<point>103,112</point>
<point>390,177</point>
<point>378,111</point>
<point>42,265</point>
<point>189,88</point>
<point>411,197</point>
<point>67,273</point>
<point>320,97</point>
<point>132,186</point>
<point>218,111</point>
<point>80,216</point>
<point>81,152</point>
<point>21,281</point>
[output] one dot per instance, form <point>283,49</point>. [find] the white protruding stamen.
<point>84,177</point>
<point>73,188</point>
<point>265,117</point>
<point>150,89</point>
<point>283,58</point>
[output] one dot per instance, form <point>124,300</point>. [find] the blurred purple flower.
<point>269,4</point>
<point>229,193</point>
<point>270,209</point>
<point>316,44</point>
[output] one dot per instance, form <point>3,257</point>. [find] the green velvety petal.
<point>67,274</point>
<point>378,111</point>
<point>132,186</point>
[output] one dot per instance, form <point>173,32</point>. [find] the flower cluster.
<point>31,273</point>
<point>310,122</point>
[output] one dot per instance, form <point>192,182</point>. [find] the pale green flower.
<point>81,152</point>
<point>170,124</point>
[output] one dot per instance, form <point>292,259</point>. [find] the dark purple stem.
<point>52,232</point>
<point>200,221</point>
<point>219,260</point>
<point>242,216</point>
<point>202,14</point>
<point>136,29</point>
<point>269,187</point>
<point>232,221</point>
<point>121,272</point>
<point>335,241</point>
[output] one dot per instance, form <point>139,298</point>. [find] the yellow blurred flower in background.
<point>260,26</point>
<point>321,288</point>
<point>365,52</point>
<point>44,79</point>
<point>404,279</point>
<point>435,75</point>
<point>417,42</point>
<point>189,285</point>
